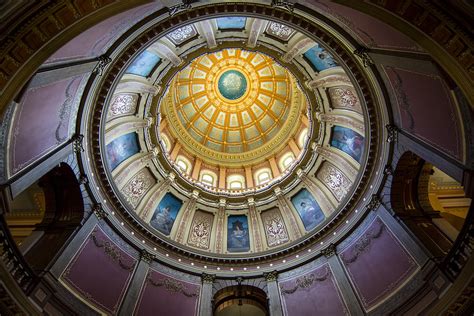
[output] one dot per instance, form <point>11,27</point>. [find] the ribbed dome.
<point>231,102</point>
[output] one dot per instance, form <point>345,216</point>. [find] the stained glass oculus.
<point>232,84</point>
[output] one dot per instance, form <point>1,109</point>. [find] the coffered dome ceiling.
<point>233,107</point>
<point>233,147</point>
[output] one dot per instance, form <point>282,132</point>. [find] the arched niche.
<point>240,300</point>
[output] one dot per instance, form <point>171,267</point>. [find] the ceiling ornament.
<point>280,30</point>
<point>182,34</point>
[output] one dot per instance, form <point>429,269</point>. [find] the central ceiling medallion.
<point>232,84</point>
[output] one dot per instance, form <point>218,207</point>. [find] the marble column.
<point>288,214</point>
<point>205,304</point>
<point>342,280</point>
<point>256,232</point>
<point>133,291</point>
<point>274,299</point>
<point>220,226</point>
<point>186,218</point>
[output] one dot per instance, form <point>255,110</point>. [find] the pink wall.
<point>100,272</point>
<point>377,263</point>
<point>426,109</point>
<point>95,41</point>
<point>370,31</point>
<point>314,293</point>
<point>163,295</point>
<point>42,120</point>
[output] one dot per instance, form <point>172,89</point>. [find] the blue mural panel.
<point>320,58</point>
<point>348,141</point>
<point>165,214</point>
<point>238,233</point>
<point>143,64</point>
<point>121,148</point>
<point>308,209</point>
<point>231,23</point>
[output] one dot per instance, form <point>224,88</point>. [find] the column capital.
<point>271,276</point>
<point>208,278</point>
<point>329,251</point>
<point>145,256</point>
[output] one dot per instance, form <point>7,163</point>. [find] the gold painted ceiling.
<point>233,106</point>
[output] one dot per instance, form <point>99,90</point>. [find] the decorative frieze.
<point>307,281</point>
<point>123,104</point>
<point>280,31</point>
<point>137,186</point>
<point>344,98</point>
<point>335,180</point>
<point>181,34</point>
<point>274,226</point>
<point>201,229</point>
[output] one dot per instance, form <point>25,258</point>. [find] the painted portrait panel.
<point>308,209</point>
<point>143,64</point>
<point>348,141</point>
<point>165,213</point>
<point>238,233</point>
<point>319,58</point>
<point>121,148</point>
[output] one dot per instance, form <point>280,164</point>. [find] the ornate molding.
<point>363,54</point>
<point>99,211</point>
<point>392,133</point>
<point>374,203</point>
<point>363,244</point>
<point>208,278</point>
<point>271,276</point>
<point>289,6</point>
<point>329,251</point>
<point>147,257</point>
<point>307,281</point>
<point>172,285</point>
<point>184,6</point>
<point>77,143</point>
<point>112,251</point>
<point>103,61</point>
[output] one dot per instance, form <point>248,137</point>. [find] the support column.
<point>298,48</point>
<point>205,303</point>
<point>249,177</point>
<point>274,167</point>
<point>133,291</point>
<point>147,211</point>
<point>294,147</point>
<point>274,298</point>
<point>222,178</point>
<point>175,151</point>
<point>207,32</point>
<point>255,225</point>
<point>185,219</point>
<point>288,214</point>
<point>220,226</point>
<point>74,245</point>
<point>342,280</point>
<point>166,52</point>
<point>320,197</point>
<point>256,29</point>
<point>196,169</point>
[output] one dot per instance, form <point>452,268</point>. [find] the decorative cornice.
<point>183,6</point>
<point>374,203</point>
<point>287,5</point>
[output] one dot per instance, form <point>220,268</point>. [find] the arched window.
<point>235,181</point>
<point>166,142</point>
<point>263,176</point>
<point>183,164</point>
<point>286,160</point>
<point>208,177</point>
<point>302,138</point>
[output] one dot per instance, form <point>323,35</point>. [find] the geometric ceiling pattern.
<point>232,102</point>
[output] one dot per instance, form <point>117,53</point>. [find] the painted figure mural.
<point>308,209</point>
<point>165,213</point>
<point>121,148</point>
<point>348,141</point>
<point>143,64</point>
<point>320,58</point>
<point>238,233</point>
